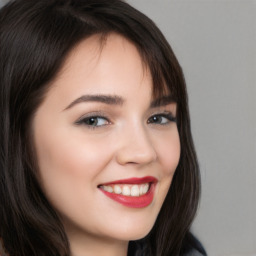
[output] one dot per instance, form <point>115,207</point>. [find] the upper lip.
<point>133,180</point>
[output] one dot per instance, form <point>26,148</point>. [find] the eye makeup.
<point>162,118</point>
<point>94,120</point>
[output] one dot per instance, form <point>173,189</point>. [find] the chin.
<point>133,231</point>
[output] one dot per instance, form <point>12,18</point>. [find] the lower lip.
<point>133,202</point>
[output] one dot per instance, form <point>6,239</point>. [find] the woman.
<point>97,156</point>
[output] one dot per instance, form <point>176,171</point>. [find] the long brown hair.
<point>36,36</point>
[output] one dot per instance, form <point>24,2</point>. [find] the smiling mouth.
<point>127,189</point>
<point>134,192</point>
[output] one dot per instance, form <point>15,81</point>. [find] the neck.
<point>88,246</point>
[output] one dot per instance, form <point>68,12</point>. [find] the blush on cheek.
<point>169,157</point>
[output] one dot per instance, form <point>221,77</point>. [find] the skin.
<point>74,159</point>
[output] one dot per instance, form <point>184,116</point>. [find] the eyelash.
<point>168,116</point>
<point>84,121</point>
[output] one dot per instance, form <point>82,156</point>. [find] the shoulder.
<point>192,247</point>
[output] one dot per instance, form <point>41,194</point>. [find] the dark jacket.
<point>192,247</point>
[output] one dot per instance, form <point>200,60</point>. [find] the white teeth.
<point>108,189</point>
<point>142,190</point>
<point>117,189</point>
<point>127,189</point>
<point>135,190</point>
<point>145,188</point>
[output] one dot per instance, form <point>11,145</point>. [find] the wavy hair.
<point>36,37</point>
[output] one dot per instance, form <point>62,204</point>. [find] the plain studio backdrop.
<point>215,42</point>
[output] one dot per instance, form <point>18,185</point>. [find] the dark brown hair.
<point>36,36</point>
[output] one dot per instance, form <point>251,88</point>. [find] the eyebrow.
<point>163,101</point>
<point>106,99</point>
<point>117,100</point>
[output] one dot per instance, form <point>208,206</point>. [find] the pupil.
<point>156,119</point>
<point>92,121</point>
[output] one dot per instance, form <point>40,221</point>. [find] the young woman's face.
<point>106,150</point>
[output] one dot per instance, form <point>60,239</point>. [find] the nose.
<point>135,147</point>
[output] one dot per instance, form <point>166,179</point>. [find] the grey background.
<point>215,42</point>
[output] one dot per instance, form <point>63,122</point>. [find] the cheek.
<point>168,151</point>
<point>71,164</point>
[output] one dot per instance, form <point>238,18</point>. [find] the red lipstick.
<point>138,201</point>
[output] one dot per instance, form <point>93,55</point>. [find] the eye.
<point>161,119</point>
<point>94,121</point>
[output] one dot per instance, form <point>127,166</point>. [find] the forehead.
<point>112,59</point>
<point>93,47</point>
<point>92,53</point>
